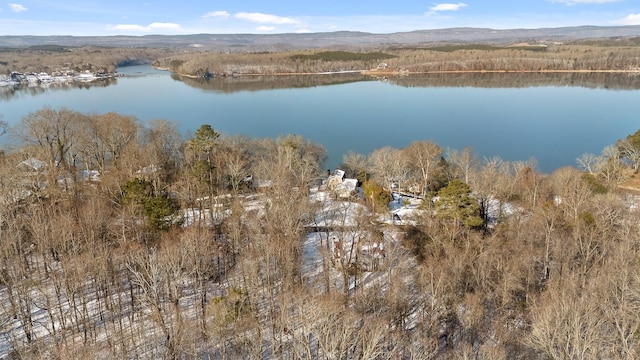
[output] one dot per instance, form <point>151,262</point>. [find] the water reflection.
<point>11,92</point>
<point>612,81</point>
<point>230,84</point>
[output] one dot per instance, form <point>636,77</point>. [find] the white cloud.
<point>265,18</point>
<point>17,7</point>
<point>265,28</point>
<point>170,26</point>
<point>129,27</point>
<point>303,31</point>
<point>631,19</point>
<point>151,27</point>
<point>216,14</point>
<point>576,2</point>
<point>447,7</point>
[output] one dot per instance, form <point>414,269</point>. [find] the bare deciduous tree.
<point>355,165</point>
<point>588,162</point>
<point>465,161</point>
<point>389,166</point>
<point>424,158</point>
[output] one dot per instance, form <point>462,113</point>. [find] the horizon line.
<point>336,31</point>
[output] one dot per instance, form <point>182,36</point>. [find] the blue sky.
<point>118,17</point>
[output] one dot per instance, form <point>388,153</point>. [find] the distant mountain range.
<point>339,39</point>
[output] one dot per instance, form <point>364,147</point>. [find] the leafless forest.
<point>576,56</point>
<point>54,58</point>
<point>123,240</point>
<point>451,58</point>
<point>120,239</point>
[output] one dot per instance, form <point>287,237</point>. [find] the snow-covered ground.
<point>342,240</point>
<point>53,309</point>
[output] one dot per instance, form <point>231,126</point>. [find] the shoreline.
<point>376,72</point>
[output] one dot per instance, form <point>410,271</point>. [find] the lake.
<point>553,118</point>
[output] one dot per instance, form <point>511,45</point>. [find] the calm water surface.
<point>554,124</point>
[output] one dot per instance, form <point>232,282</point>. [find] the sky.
<point>132,17</point>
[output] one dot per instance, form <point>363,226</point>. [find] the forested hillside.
<point>55,58</point>
<point>336,40</point>
<point>596,56</point>
<point>124,240</point>
<point>584,56</point>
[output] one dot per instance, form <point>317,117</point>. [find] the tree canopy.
<point>629,148</point>
<point>455,203</point>
<point>268,264</point>
<point>204,139</point>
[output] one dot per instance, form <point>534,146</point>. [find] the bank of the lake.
<point>553,123</point>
